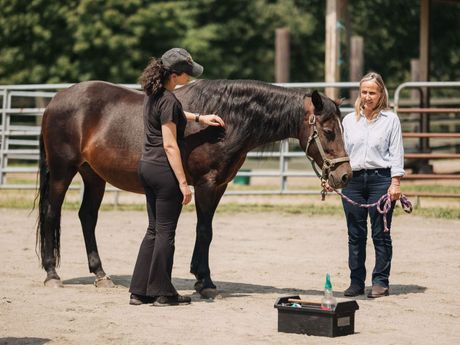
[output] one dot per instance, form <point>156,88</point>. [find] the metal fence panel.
<point>19,137</point>
<point>25,136</point>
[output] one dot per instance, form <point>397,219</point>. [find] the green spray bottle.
<point>328,302</point>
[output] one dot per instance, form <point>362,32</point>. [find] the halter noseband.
<point>328,164</point>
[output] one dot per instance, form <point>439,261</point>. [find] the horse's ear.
<point>317,101</point>
<point>339,101</point>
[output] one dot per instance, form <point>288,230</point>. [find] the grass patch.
<point>23,199</point>
<point>235,208</point>
<point>306,209</point>
<point>429,188</point>
<point>438,212</point>
<point>330,210</point>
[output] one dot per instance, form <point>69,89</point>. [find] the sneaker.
<point>162,301</point>
<point>139,299</point>
<point>353,291</point>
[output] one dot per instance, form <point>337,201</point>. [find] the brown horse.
<point>96,129</point>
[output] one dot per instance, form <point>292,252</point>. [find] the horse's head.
<point>322,140</point>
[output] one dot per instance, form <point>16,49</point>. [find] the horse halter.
<point>328,164</point>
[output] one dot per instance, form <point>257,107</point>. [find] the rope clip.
<point>323,191</point>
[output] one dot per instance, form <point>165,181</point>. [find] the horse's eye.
<point>329,133</point>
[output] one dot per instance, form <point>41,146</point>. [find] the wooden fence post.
<point>282,55</point>
<point>356,63</point>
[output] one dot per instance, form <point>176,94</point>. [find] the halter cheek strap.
<point>328,164</point>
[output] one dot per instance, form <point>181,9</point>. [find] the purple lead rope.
<point>383,205</point>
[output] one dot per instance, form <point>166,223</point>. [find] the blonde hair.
<point>383,103</point>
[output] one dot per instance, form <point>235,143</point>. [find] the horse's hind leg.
<point>206,198</point>
<point>50,220</point>
<point>92,198</point>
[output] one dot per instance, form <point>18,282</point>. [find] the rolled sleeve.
<point>396,149</point>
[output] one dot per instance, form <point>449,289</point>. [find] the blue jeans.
<point>366,187</point>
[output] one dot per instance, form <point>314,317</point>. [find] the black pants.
<point>366,187</point>
<point>152,272</point>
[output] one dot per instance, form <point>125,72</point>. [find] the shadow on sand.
<point>231,289</point>
<point>23,341</point>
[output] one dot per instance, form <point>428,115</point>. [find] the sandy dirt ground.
<point>255,258</point>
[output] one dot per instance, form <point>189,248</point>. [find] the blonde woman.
<point>373,140</point>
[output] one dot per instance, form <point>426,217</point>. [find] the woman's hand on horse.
<point>212,120</point>
<point>186,192</point>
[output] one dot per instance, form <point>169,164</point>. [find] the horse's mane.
<point>255,109</point>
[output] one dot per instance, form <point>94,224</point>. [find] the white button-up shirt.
<point>375,144</point>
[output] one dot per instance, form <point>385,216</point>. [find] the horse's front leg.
<point>207,198</point>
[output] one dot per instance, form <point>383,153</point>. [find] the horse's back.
<point>92,93</point>
<point>89,105</point>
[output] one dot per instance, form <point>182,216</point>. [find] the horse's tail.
<point>43,207</point>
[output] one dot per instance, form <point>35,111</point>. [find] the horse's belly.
<point>120,170</point>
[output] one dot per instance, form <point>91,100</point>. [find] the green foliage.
<point>390,30</point>
<point>48,41</point>
<point>391,37</point>
<point>235,39</point>
<point>445,43</point>
<point>69,41</point>
<point>30,39</point>
<point>431,188</point>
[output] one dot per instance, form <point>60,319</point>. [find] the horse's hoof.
<point>53,283</point>
<point>210,293</point>
<point>104,282</point>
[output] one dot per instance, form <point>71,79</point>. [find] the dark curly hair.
<point>154,77</point>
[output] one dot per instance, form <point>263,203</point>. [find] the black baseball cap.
<point>179,60</point>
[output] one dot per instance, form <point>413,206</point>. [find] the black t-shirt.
<point>159,109</point>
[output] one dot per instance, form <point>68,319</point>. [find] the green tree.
<point>33,39</point>
<point>112,40</point>
<point>48,41</point>
<point>445,41</point>
<point>69,41</point>
<point>391,37</point>
<point>235,39</point>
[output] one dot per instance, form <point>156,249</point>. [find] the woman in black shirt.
<point>162,175</point>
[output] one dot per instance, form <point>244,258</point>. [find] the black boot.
<point>139,299</point>
<point>353,290</point>
<point>162,301</point>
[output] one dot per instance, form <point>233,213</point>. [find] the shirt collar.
<point>382,112</point>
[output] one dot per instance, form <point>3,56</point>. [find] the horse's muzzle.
<point>339,178</point>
